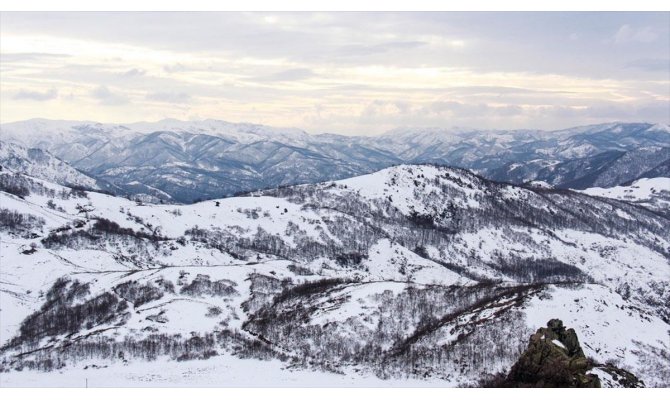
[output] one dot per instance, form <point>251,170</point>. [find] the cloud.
<point>107,97</point>
<point>36,95</point>
<point>22,57</point>
<point>364,50</point>
<point>650,64</point>
<point>383,115</point>
<point>403,113</point>
<point>134,72</point>
<point>295,74</point>
<point>627,34</point>
<point>178,67</point>
<point>241,67</point>
<point>169,97</point>
<point>638,112</point>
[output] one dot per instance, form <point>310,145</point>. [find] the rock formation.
<point>554,358</point>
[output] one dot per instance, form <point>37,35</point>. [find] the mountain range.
<point>346,260</point>
<point>422,274</point>
<point>186,161</point>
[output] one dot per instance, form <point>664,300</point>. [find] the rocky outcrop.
<point>554,358</point>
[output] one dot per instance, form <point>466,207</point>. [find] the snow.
<point>603,322</point>
<point>357,299</point>
<point>579,151</point>
<point>387,260</point>
<point>660,128</point>
<point>42,164</point>
<point>559,344</point>
<point>400,183</point>
<point>35,131</point>
<point>156,154</point>
<point>605,378</point>
<point>642,190</point>
<point>219,371</point>
<point>540,184</point>
<point>602,318</point>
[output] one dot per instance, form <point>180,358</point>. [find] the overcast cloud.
<point>350,73</point>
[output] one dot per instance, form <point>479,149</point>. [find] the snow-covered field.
<point>221,371</point>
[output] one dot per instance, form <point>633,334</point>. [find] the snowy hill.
<point>653,193</point>
<point>187,161</point>
<point>410,274</point>
<point>41,164</point>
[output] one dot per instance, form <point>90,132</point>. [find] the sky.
<point>351,73</point>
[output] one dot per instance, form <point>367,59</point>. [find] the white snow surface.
<point>608,328</point>
<point>220,371</point>
<point>642,191</point>
<point>41,164</point>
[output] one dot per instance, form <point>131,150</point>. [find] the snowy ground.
<point>650,192</point>
<point>608,326</point>
<point>221,371</point>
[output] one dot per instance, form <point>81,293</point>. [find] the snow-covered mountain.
<point>41,164</point>
<point>426,273</point>
<point>607,169</point>
<point>189,160</point>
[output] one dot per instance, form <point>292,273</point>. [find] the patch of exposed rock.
<point>554,358</point>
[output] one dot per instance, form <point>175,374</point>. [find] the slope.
<point>402,274</point>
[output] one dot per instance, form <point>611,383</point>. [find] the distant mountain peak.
<point>660,128</point>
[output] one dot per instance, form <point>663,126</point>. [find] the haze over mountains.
<point>184,161</point>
